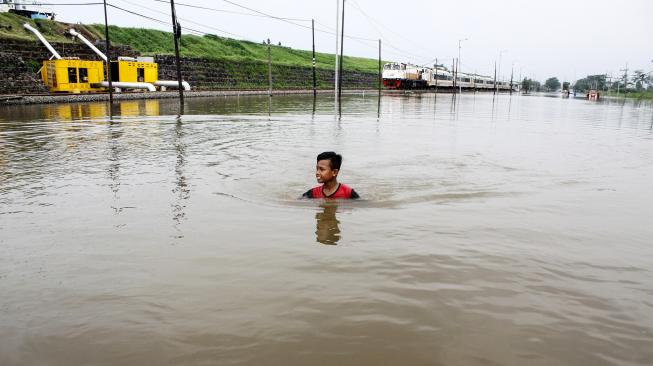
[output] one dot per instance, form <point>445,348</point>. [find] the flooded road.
<point>492,231</point>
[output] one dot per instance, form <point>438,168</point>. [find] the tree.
<point>552,84</point>
<point>640,78</point>
<point>528,85</point>
<point>590,82</point>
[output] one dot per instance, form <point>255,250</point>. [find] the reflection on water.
<point>495,230</point>
<point>326,224</point>
<point>181,190</point>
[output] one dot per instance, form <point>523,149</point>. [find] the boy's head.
<point>328,166</point>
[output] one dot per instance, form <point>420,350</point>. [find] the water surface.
<point>493,230</point>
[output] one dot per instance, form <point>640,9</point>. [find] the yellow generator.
<point>132,70</point>
<point>72,76</point>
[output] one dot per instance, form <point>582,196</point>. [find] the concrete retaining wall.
<point>21,60</point>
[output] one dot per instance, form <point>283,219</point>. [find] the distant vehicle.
<point>408,76</point>
<point>29,9</point>
<point>593,94</point>
<point>403,76</point>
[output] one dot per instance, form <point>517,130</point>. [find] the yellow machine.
<point>72,76</point>
<point>134,71</point>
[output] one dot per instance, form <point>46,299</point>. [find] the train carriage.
<point>403,76</point>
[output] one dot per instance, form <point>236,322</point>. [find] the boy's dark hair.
<point>335,160</point>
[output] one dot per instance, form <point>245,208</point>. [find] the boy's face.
<point>323,171</point>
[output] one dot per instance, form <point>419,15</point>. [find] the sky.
<point>568,39</point>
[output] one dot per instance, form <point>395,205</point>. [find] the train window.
<point>387,67</point>
<point>140,74</point>
<point>72,75</point>
<point>466,80</point>
<point>83,74</point>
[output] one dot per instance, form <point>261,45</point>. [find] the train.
<point>408,76</point>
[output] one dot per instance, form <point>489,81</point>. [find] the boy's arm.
<point>354,195</point>
<point>308,194</point>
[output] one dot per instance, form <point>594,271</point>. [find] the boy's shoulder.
<point>343,191</point>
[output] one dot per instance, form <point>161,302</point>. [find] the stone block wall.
<point>21,60</point>
<point>212,74</point>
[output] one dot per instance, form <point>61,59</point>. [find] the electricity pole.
<point>269,69</point>
<point>495,77</point>
<point>106,39</point>
<point>176,29</point>
<point>512,69</point>
<point>342,43</point>
<point>380,72</point>
<point>335,89</point>
<point>459,42</point>
<point>625,80</point>
<point>314,78</point>
<point>436,76</point>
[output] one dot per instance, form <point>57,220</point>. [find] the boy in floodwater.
<point>326,172</point>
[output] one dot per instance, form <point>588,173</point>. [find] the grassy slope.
<point>644,94</point>
<point>150,42</point>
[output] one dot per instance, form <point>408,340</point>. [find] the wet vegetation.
<point>153,42</point>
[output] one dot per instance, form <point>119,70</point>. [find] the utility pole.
<point>335,81</point>
<point>436,76</point>
<point>453,73</point>
<point>176,29</point>
<point>108,49</point>
<point>380,72</point>
<point>457,78</point>
<point>459,42</point>
<point>495,77</point>
<point>625,80</point>
<point>499,69</point>
<point>342,43</point>
<point>269,69</point>
<point>314,77</point>
<point>512,69</point>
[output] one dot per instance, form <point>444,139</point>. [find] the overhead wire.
<point>232,12</point>
<point>284,19</point>
<point>185,20</point>
<point>253,12</point>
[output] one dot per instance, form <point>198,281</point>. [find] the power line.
<point>373,21</point>
<point>286,20</point>
<point>185,20</point>
<point>233,12</point>
<point>357,39</point>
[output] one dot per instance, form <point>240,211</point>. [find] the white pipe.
<point>172,84</point>
<point>88,43</point>
<point>127,85</point>
<point>43,40</point>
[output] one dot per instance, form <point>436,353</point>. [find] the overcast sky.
<point>564,38</point>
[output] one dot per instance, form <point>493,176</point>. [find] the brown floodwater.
<point>493,230</point>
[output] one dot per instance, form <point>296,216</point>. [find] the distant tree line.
<point>551,84</point>
<point>530,85</point>
<point>638,81</point>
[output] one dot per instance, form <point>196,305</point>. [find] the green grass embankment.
<point>644,94</point>
<point>151,42</point>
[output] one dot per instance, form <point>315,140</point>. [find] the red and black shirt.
<point>343,191</point>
